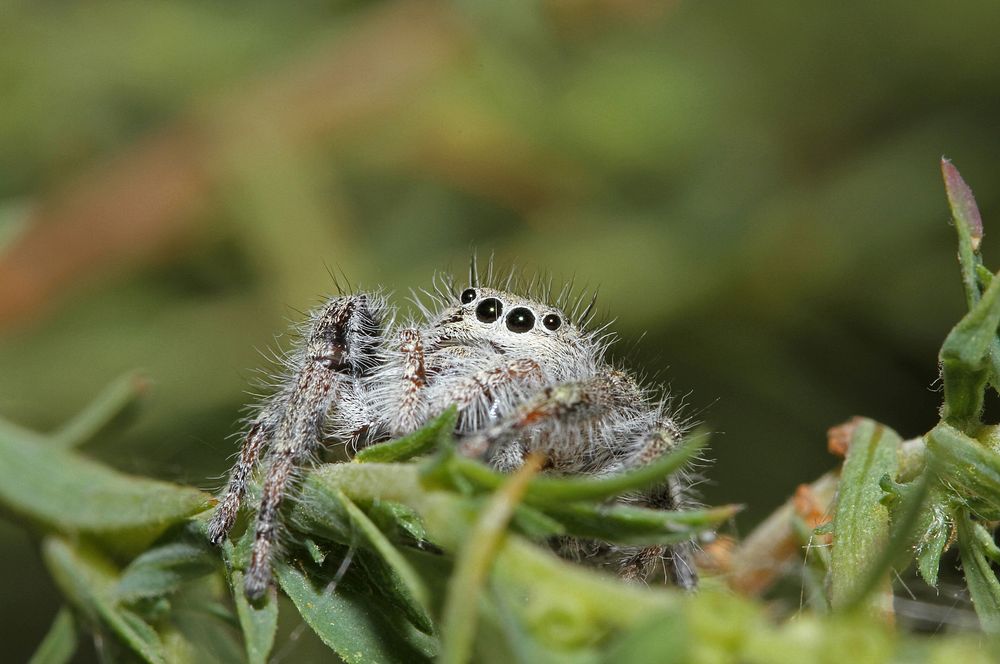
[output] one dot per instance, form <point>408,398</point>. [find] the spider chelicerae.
<point>525,375</point>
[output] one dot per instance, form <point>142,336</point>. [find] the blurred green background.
<point>754,186</point>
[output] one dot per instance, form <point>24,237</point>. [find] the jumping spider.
<point>524,376</point>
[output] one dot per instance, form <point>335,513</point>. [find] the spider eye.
<point>520,320</point>
<point>552,322</point>
<point>488,310</point>
<point>468,295</point>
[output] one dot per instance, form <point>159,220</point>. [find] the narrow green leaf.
<point>89,583</point>
<point>319,512</point>
<point>626,524</point>
<point>161,570</point>
<point>398,521</point>
<point>435,433</point>
<point>112,405</point>
<point>987,544</point>
<point>70,493</point>
<point>332,515</point>
<point>966,360</point>
<point>316,553</point>
<point>861,522</point>
<point>984,275</point>
<point>966,465</point>
<point>986,280</point>
<point>903,529</point>
<point>979,576</point>
<point>350,621</point>
<point>200,626</point>
<point>535,524</point>
<point>969,225</point>
<point>59,643</point>
<point>934,533</point>
<point>458,623</point>
<point>559,490</point>
<point>411,590</point>
<point>258,621</point>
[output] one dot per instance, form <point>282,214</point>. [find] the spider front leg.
<point>409,412</point>
<point>339,347</point>
<point>491,389</point>
<point>253,445</point>
<point>414,398</point>
<point>560,406</point>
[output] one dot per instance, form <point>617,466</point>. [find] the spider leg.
<point>409,414</point>
<point>489,391</point>
<point>339,347</point>
<point>253,445</point>
<point>416,398</point>
<point>560,406</point>
<point>296,438</point>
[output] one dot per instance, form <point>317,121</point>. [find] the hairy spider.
<point>524,376</point>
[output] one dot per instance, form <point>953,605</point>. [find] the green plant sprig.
<point>378,549</point>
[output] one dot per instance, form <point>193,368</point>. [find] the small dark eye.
<point>552,322</point>
<point>468,295</point>
<point>520,320</point>
<point>488,310</point>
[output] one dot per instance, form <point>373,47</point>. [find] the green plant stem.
<point>473,563</point>
<point>102,412</point>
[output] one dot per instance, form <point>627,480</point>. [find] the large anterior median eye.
<point>489,310</point>
<point>468,295</point>
<point>520,320</point>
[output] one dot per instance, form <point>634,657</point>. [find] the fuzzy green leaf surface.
<point>984,587</point>
<point>560,490</point>
<point>966,360</point>
<point>258,621</point>
<point>89,581</point>
<point>472,565</point>
<point>351,622</point>
<point>934,533</point>
<point>861,523</point>
<point>437,432</point>
<point>411,590</point>
<point>626,524</point>
<point>65,491</point>
<point>161,570</point>
<point>967,465</point>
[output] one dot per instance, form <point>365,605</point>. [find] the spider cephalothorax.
<point>524,375</point>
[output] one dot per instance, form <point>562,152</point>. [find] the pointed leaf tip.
<point>962,202</point>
